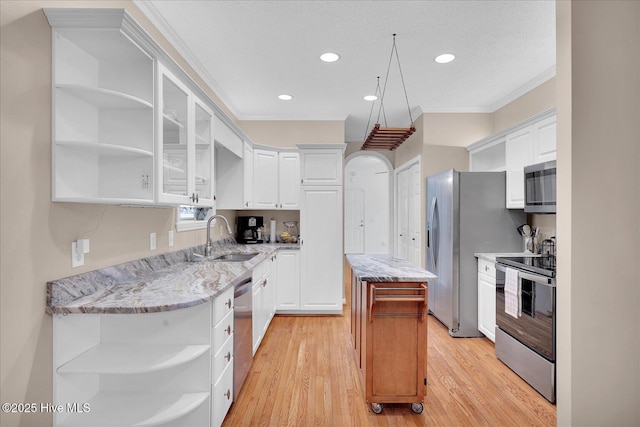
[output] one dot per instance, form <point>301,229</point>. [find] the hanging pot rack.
<point>388,138</point>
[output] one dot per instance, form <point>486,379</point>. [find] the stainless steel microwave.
<point>540,188</point>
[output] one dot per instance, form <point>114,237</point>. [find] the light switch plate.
<point>152,241</point>
<point>170,238</point>
<point>77,259</point>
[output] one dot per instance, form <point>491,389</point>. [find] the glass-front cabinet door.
<point>204,154</point>
<point>173,134</point>
<point>185,144</point>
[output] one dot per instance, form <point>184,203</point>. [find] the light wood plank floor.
<point>305,374</point>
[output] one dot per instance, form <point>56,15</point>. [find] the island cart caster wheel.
<point>417,408</point>
<point>376,408</point>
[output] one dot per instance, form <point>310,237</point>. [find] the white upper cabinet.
<point>247,172</point>
<point>289,180</point>
<point>526,143</point>
<point>276,179</point>
<point>489,158</point>
<point>185,151</point>
<point>227,137</point>
<point>544,149</point>
<point>519,153</point>
<point>265,179</point>
<point>532,144</point>
<point>103,94</point>
<point>321,166</point>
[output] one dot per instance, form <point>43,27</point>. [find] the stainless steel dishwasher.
<point>242,336</point>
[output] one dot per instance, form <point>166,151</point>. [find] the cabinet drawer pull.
<point>228,394</point>
<point>228,303</point>
<point>228,330</point>
<point>228,356</point>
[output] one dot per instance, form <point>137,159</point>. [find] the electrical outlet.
<point>170,238</point>
<point>152,241</point>
<point>77,257</point>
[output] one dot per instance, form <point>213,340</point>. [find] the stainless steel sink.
<point>235,257</point>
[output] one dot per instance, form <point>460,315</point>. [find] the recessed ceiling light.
<point>285,97</point>
<point>329,57</point>
<point>444,58</point>
<point>370,98</point>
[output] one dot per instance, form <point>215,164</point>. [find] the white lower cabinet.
<point>221,396</point>
<point>131,369</point>
<point>264,300</point>
<point>288,268</point>
<point>222,334</point>
<point>487,298</point>
<point>145,369</point>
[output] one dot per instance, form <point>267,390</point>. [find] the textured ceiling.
<point>251,51</point>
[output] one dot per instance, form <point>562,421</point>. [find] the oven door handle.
<point>543,280</point>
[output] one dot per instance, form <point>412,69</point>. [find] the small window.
<point>192,217</point>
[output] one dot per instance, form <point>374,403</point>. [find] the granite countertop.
<point>492,256</point>
<point>160,283</point>
<point>387,268</point>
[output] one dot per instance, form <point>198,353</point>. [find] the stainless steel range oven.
<point>526,319</point>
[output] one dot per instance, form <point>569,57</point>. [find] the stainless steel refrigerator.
<point>466,214</point>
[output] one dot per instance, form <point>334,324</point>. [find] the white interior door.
<point>414,196</point>
<point>354,222</point>
<point>402,247</point>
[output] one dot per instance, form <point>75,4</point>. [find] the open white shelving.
<point>104,98</point>
<point>105,149</point>
<point>134,369</point>
<point>103,106</point>
<point>118,408</point>
<point>119,358</point>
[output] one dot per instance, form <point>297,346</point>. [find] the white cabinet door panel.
<point>545,145</point>
<point>321,249</point>
<point>519,152</point>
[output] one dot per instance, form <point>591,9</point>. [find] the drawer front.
<point>222,332</point>
<point>487,267</point>
<point>222,396</point>
<point>222,359</point>
<point>222,305</point>
<point>260,270</point>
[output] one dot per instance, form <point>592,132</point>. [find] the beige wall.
<point>288,133</point>
<point>37,234</point>
<point>598,60</point>
<point>537,100</point>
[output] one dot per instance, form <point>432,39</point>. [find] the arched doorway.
<point>368,201</point>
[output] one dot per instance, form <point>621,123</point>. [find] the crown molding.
<point>150,11</point>
<point>527,87</point>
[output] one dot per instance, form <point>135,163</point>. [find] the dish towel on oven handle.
<point>512,302</point>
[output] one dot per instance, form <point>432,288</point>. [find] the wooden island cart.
<point>389,328</point>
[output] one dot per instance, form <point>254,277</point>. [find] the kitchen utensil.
<point>526,228</point>
<point>520,230</point>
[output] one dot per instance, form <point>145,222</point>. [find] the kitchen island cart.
<point>389,328</point>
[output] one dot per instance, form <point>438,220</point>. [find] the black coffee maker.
<point>249,229</point>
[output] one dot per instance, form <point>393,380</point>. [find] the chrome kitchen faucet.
<point>207,249</point>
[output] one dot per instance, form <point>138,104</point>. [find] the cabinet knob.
<point>246,204</point>
<point>228,356</point>
<point>264,284</point>
<point>228,394</point>
<point>228,330</point>
<point>228,303</point>
<point>486,268</point>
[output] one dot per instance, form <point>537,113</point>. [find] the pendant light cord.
<point>386,79</point>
